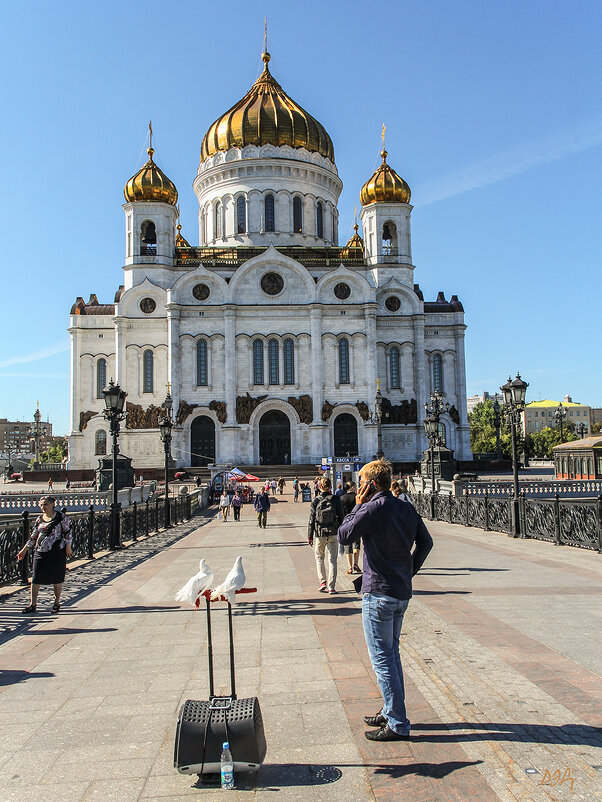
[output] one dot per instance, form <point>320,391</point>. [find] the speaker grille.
<point>241,709</point>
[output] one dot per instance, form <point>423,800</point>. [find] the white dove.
<point>233,582</point>
<point>196,585</point>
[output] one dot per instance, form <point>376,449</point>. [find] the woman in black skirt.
<point>51,541</point>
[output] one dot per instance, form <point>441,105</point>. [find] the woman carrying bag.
<point>51,541</point>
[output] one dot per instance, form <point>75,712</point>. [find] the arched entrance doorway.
<point>274,438</point>
<point>345,436</point>
<point>202,441</point>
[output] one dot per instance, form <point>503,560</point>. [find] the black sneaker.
<point>385,734</point>
<point>375,721</point>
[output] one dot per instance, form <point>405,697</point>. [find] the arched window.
<point>202,374</point>
<point>297,216</point>
<point>147,372</point>
<point>442,434</point>
<point>389,239</point>
<point>273,355</point>
<point>320,220</point>
<point>258,362</point>
<point>148,238</point>
<point>270,218</point>
<point>438,373</point>
<point>218,220</point>
<point>343,361</point>
<point>101,377</point>
<point>289,362</point>
<point>100,443</point>
<point>241,215</point>
<point>394,377</point>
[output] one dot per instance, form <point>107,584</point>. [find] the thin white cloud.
<point>34,356</point>
<point>512,162</point>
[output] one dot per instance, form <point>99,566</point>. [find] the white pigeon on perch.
<point>233,582</point>
<point>196,585</point>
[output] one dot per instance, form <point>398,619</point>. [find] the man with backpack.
<point>325,517</point>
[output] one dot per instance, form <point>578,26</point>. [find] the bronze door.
<point>274,438</point>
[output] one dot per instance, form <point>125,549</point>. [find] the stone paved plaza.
<point>501,653</point>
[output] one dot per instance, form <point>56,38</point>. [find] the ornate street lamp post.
<point>581,427</point>
<point>114,398</point>
<point>514,393</point>
<point>431,428</point>
<point>378,414</point>
<point>165,427</point>
<point>36,431</point>
<point>497,424</point>
<point>559,416</point>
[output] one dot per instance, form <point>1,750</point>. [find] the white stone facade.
<point>208,343</point>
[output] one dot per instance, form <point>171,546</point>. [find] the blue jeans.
<point>382,617</point>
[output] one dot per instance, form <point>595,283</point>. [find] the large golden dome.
<point>385,186</point>
<point>151,184</point>
<point>266,115</point>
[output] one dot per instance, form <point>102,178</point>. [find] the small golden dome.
<point>266,115</point>
<point>151,184</point>
<point>181,242</point>
<point>385,186</point>
<point>355,242</point>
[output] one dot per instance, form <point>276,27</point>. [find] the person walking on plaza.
<point>50,485</point>
<point>389,528</point>
<point>236,505</point>
<point>325,517</point>
<point>224,505</point>
<point>281,484</point>
<point>353,549</point>
<point>262,505</point>
<point>50,540</point>
<point>273,485</point>
<point>296,488</point>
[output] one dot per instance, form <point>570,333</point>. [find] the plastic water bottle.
<point>227,766</point>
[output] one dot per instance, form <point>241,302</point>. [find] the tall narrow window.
<point>101,377</point>
<point>202,374</point>
<point>289,362</point>
<point>241,215</point>
<point>442,434</point>
<point>218,219</point>
<point>343,361</point>
<point>320,220</point>
<point>335,233</point>
<point>148,372</point>
<point>129,235</point>
<point>273,356</point>
<point>297,216</point>
<point>100,443</point>
<point>438,373</point>
<point>394,369</point>
<point>258,362</point>
<point>270,218</point>
<point>148,238</point>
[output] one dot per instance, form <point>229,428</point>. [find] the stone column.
<point>230,363</point>
<point>173,354</point>
<point>75,379</point>
<point>371,353</point>
<point>120,364</point>
<point>317,380</point>
<point>463,431</point>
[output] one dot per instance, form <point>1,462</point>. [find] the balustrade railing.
<point>571,522</point>
<point>91,531</point>
<point>563,487</point>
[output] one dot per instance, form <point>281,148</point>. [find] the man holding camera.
<point>389,529</point>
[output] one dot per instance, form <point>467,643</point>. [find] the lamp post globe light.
<point>431,428</point>
<point>36,431</point>
<point>165,427</point>
<point>114,398</point>
<point>581,427</point>
<point>514,393</point>
<point>559,416</point>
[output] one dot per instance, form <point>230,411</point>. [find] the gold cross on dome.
<point>168,385</point>
<point>150,131</point>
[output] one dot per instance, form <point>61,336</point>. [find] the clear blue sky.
<point>493,115</point>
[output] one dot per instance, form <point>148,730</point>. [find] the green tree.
<point>482,430</point>
<point>56,453</point>
<point>596,428</point>
<point>540,444</point>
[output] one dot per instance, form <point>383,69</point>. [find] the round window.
<point>147,305</point>
<point>393,303</point>
<point>272,283</point>
<point>342,290</point>
<point>201,292</point>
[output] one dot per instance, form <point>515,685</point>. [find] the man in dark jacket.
<point>353,549</point>
<point>389,529</point>
<point>325,517</point>
<point>262,505</point>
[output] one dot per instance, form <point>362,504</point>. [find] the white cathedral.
<point>270,336</point>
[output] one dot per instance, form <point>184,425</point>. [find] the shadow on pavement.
<point>440,592</point>
<point>271,545</point>
<point>454,568</point>
<point>289,608</point>
<point>495,731</point>
<point>13,677</point>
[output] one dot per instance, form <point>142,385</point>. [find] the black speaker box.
<point>204,726</point>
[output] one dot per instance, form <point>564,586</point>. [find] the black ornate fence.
<point>574,522</point>
<point>90,531</point>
